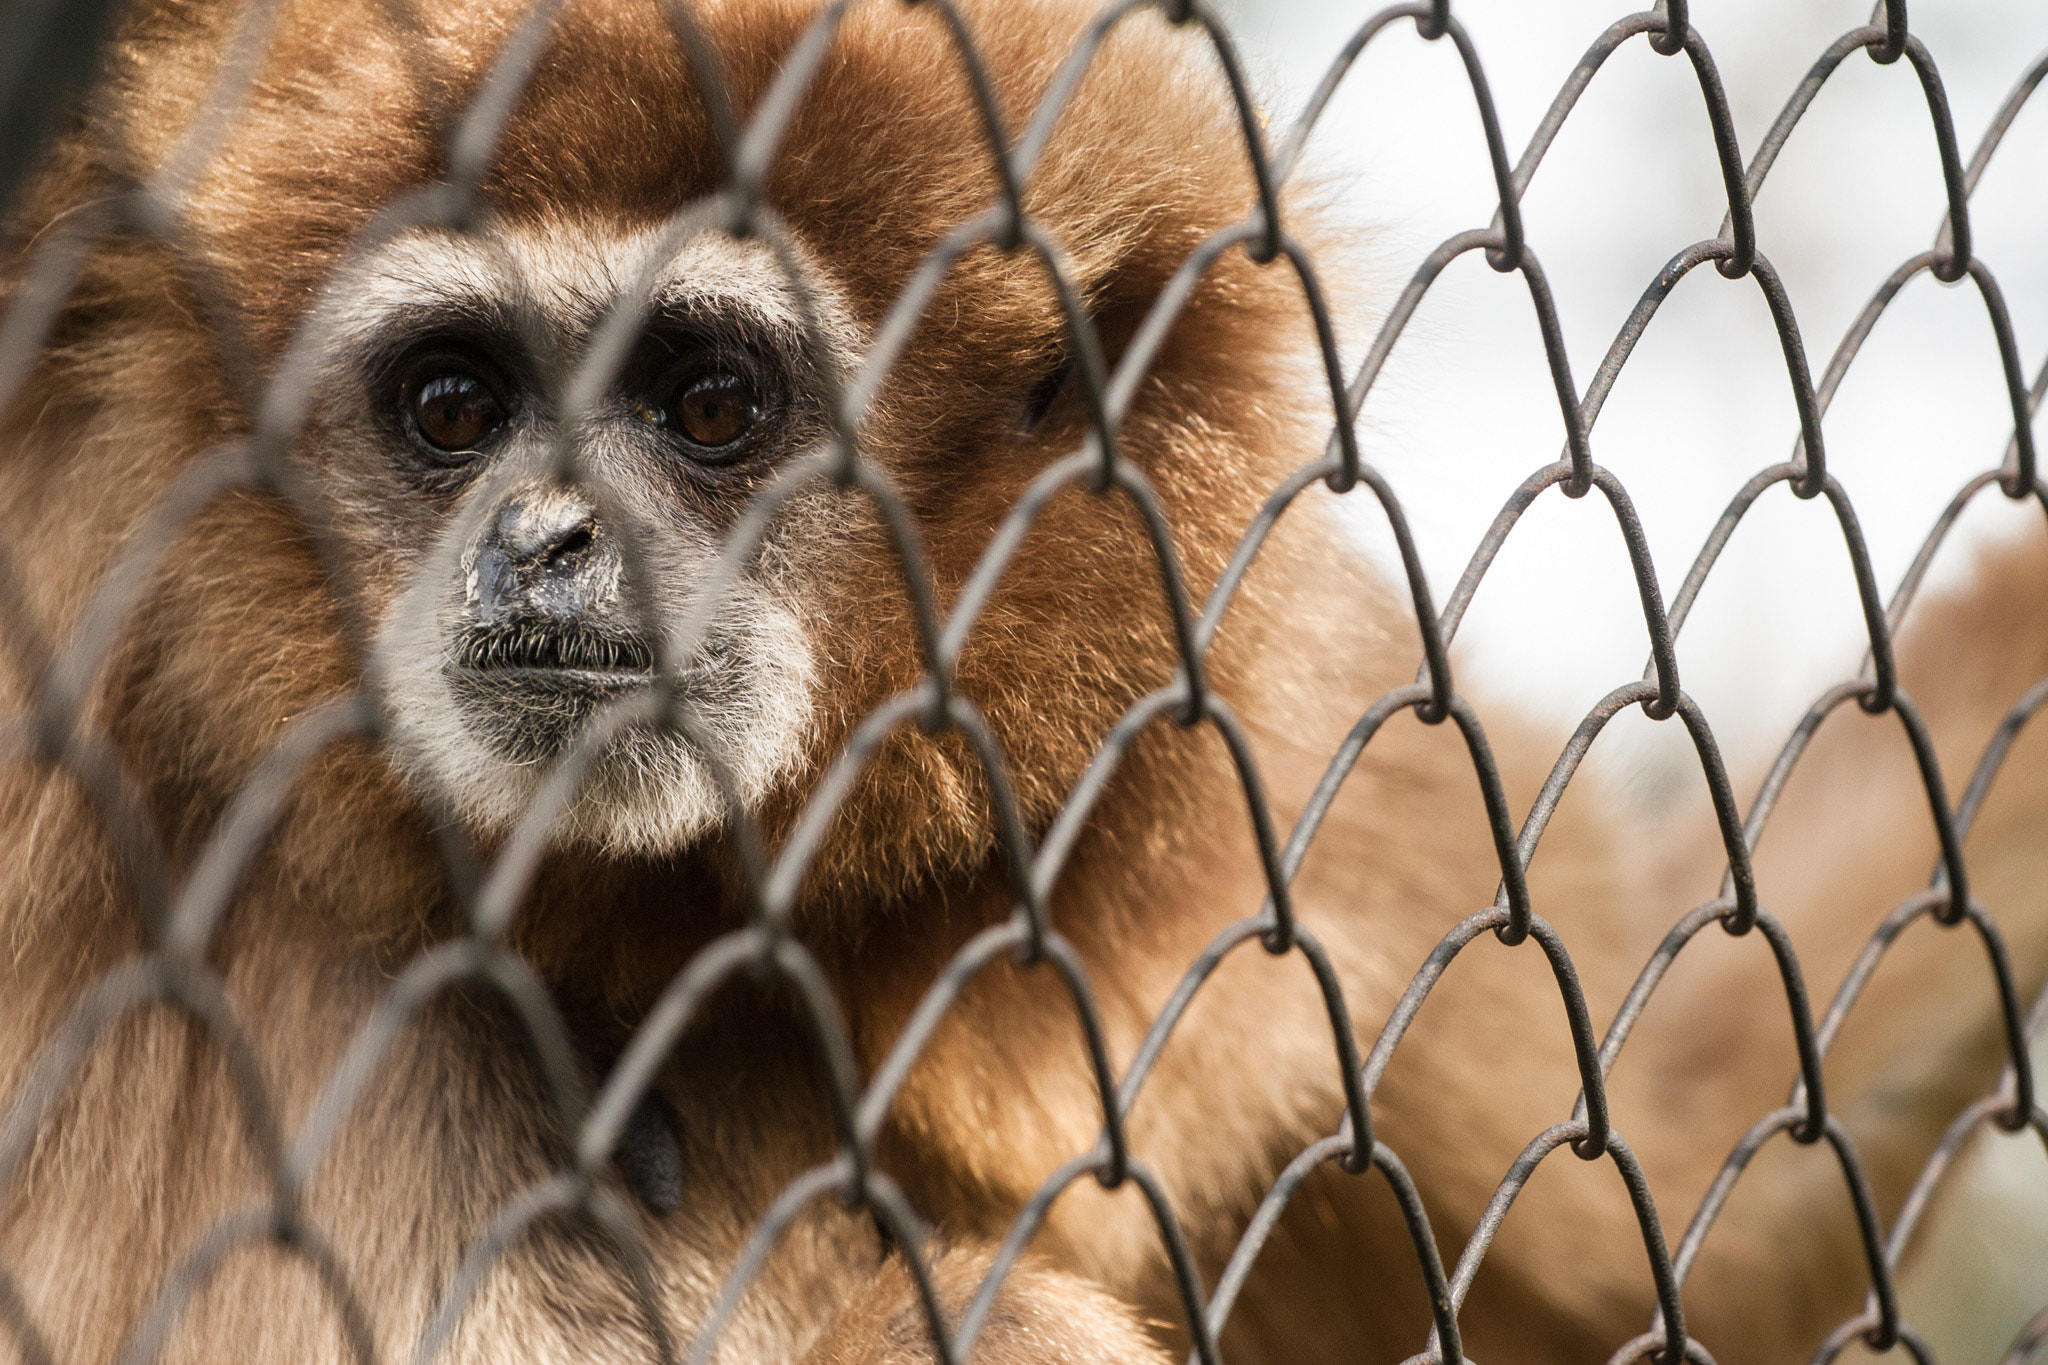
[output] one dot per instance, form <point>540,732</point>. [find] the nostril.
<point>544,532</point>
<point>572,543</point>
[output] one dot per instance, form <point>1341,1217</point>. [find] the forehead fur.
<point>568,274</point>
<point>356,108</point>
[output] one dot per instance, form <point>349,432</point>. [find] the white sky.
<point>1466,409</point>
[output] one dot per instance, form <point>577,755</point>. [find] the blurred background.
<point>1465,409</point>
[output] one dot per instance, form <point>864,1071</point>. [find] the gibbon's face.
<point>535,604</point>
<point>533,552</point>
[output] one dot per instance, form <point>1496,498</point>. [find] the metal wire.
<point>179,923</point>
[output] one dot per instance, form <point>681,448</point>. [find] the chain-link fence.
<point>50,55</point>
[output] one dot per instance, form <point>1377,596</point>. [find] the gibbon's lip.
<point>606,680</point>
<point>554,655</point>
<point>526,688</point>
<point>527,693</point>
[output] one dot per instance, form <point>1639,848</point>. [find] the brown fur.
<point>240,634</point>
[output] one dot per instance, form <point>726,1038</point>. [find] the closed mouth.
<point>537,653</point>
<point>528,688</point>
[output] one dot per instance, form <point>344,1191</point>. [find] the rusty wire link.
<point>180,921</point>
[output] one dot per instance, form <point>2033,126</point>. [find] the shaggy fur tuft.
<point>253,621</point>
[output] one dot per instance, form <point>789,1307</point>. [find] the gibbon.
<point>438,508</point>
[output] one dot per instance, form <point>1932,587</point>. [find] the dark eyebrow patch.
<point>485,323</point>
<point>730,327</point>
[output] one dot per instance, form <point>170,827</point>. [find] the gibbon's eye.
<point>712,411</point>
<point>453,410</point>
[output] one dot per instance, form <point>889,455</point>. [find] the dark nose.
<point>542,555</point>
